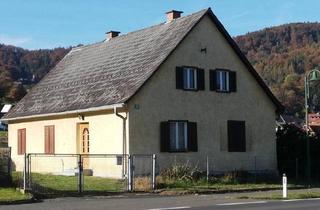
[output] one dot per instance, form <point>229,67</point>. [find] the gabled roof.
<point>111,72</point>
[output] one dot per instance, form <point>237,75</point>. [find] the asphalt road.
<point>191,202</point>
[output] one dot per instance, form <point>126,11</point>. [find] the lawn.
<point>203,185</point>
<point>305,194</point>
<point>8,195</point>
<point>48,184</point>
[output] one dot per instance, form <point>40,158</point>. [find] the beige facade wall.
<point>159,100</point>
<point>105,138</point>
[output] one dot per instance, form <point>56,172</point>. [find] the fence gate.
<point>143,172</point>
<point>59,174</point>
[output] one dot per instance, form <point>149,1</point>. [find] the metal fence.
<point>209,165</point>
<point>5,165</point>
<point>49,174</point>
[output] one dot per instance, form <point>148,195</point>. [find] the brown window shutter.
<point>200,79</point>
<point>49,139</point>
<point>213,79</point>
<point>164,136</point>
<point>236,136</point>
<point>52,140</point>
<point>46,139</point>
<point>232,81</point>
<point>24,141</point>
<point>192,137</point>
<point>21,141</point>
<point>179,77</point>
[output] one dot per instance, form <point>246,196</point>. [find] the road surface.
<point>190,202</point>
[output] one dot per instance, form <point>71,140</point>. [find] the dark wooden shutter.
<point>200,79</point>
<point>46,139</point>
<point>52,139</point>
<point>213,79</point>
<point>232,81</point>
<point>21,141</point>
<point>164,136</point>
<point>192,137</point>
<point>179,77</point>
<point>236,136</point>
<point>49,140</point>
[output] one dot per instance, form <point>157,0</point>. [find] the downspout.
<point>124,141</point>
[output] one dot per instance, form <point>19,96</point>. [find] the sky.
<point>40,24</point>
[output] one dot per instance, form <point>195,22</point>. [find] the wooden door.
<point>84,143</point>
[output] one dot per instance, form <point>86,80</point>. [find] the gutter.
<point>124,140</point>
<point>79,111</point>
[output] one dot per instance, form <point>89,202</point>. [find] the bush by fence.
<point>5,166</point>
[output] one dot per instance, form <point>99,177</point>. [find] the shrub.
<point>142,183</point>
<point>183,172</point>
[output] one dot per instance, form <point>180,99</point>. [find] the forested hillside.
<point>20,69</point>
<point>282,55</point>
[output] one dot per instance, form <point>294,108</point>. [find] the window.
<point>223,80</point>
<point>49,139</point>
<point>178,136</point>
<point>189,78</point>
<point>236,136</point>
<point>85,141</point>
<point>21,141</point>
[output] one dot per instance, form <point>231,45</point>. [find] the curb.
<point>19,202</point>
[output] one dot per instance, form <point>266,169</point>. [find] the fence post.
<point>9,166</point>
<point>297,169</point>
<point>153,172</point>
<point>80,174</point>
<point>129,173</point>
<point>284,186</point>
<point>255,169</point>
<point>208,169</point>
<point>25,172</point>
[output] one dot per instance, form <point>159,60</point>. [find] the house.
<point>285,119</point>
<point>5,109</point>
<point>181,90</point>
<point>314,123</point>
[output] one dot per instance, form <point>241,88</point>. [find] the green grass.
<point>217,186</point>
<point>8,194</point>
<point>278,196</point>
<point>48,184</point>
<point>3,133</point>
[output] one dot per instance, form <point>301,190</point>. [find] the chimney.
<point>112,34</point>
<point>173,14</point>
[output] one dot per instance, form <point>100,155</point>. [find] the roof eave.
<point>79,111</point>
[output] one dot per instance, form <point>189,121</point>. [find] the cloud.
<point>14,40</point>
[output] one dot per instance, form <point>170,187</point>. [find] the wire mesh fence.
<point>206,166</point>
<point>59,174</point>
<point>143,172</point>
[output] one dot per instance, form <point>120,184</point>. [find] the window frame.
<point>219,77</point>
<point>187,83</point>
<point>185,132</point>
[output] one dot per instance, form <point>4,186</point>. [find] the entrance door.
<point>84,143</point>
